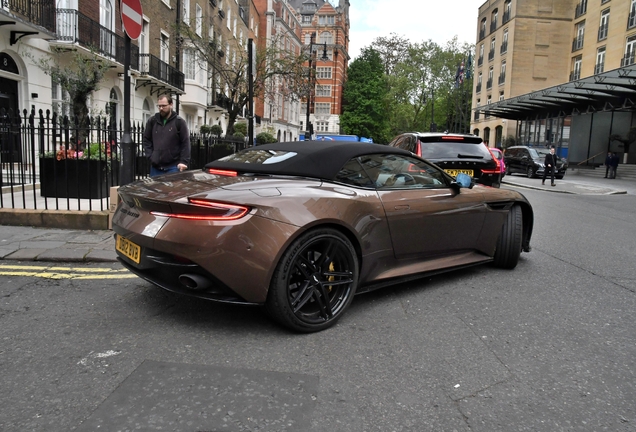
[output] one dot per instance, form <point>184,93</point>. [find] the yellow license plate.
<point>455,172</point>
<point>128,248</point>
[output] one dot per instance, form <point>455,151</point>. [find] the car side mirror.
<point>463,181</point>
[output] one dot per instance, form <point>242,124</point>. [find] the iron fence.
<point>54,163</point>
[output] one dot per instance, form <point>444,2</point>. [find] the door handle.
<point>403,207</point>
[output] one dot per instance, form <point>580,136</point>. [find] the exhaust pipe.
<point>194,281</point>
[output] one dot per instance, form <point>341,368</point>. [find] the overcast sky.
<point>416,20</point>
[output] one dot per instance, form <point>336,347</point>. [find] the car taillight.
<point>490,171</point>
<point>207,210</point>
<point>222,172</point>
<point>496,160</point>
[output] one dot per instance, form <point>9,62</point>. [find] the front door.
<point>9,122</point>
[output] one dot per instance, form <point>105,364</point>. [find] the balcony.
<point>219,102</point>
<point>491,55</point>
<point>76,28</point>
<point>506,17</point>
<point>502,79</point>
<point>628,59</point>
<point>581,9</point>
<point>480,61</point>
<point>482,33</point>
<point>28,18</point>
<point>602,32</point>
<point>493,26</point>
<point>159,75</point>
<point>504,48</point>
<point>631,19</point>
<point>599,68</point>
<point>478,88</point>
<point>577,43</point>
<point>489,84</point>
<point>575,75</point>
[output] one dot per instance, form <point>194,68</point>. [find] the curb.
<point>63,219</point>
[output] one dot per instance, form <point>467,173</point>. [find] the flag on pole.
<point>469,65</point>
<point>459,76</point>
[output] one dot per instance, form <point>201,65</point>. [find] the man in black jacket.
<point>166,140</point>
<point>549,165</point>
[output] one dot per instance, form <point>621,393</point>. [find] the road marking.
<point>55,272</point>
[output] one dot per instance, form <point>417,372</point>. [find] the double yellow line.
<point>53,272</point>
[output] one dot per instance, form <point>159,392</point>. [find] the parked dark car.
<point>454,153</point>
<point>301,227</point>
<point>529,161</point>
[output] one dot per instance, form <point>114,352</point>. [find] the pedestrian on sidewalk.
<point>608,162</point>
<point>166,140</point>
<point>549,165</point>
<point>613,165</point>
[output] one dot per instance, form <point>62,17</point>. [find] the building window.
<point>491,53</point>
<point>322,108</point>
<point>480,59</point>
<point>581,9</point>
<point>323,90</point>
<point>482,29</point>
<point>630,49</point>
<point>631,19</point>
<point>164,53</point>
<point>604,25</point>
<point>490,75</point>
<point>576,68</point>
<point>507,11</point>
<point>189,61</point>
<point>493,20</point>
<point>600,61</point>
<point>504,43</point>
<point>326,19</point>
<point>60,99</point>
<point>478,87</point>
<point>186,11</point>
<point>322,126</point>
<point>501,96</point>
<point>577,44</point>
<point>323,72</point>
<point>326,37</point>
<point>502,73</point>
<point>199,22</point>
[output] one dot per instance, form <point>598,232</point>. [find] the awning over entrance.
<point>614,90</point>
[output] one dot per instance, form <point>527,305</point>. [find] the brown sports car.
<point>301,227</point>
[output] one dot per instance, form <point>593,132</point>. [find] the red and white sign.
<point>132,17</point>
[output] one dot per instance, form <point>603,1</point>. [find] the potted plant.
<point>87,174</point>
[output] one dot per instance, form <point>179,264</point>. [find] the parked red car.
<point>499,158</point>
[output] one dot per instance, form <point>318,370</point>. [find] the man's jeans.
<point>164,170</point>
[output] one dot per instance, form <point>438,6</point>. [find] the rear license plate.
<point>454,172</point>
<point>128,249</point>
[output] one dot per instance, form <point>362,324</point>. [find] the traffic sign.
<point>132,17</point>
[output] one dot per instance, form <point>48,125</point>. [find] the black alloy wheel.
<point>530,172</point>
<point>314,281</point>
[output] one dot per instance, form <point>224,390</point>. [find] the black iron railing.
<point>49,162</point>
<point>581,9</point>
<point>75,27</point>
<point>577,43</point>
<point>153,66</point>
<point>38,12</point>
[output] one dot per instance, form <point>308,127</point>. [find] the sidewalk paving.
<point>22,243</point>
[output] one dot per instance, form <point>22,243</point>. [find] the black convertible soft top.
<point>319,159</point>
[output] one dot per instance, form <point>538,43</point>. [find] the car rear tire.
<point>530,172</point>
<point>314,281</point>
<point>507,170</point>
<point>509,243</point>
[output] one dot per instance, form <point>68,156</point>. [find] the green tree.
<point>365,98</point>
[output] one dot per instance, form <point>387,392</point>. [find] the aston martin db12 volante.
<point>301,227</point>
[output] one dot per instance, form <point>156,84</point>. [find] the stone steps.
<point>624,171</point>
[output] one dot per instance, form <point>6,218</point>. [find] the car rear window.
<point>259,157</point>
<point>454,147</point>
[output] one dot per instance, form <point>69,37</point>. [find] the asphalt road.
<point>549,346</point>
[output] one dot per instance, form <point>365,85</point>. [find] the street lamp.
<point>323,58</point>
